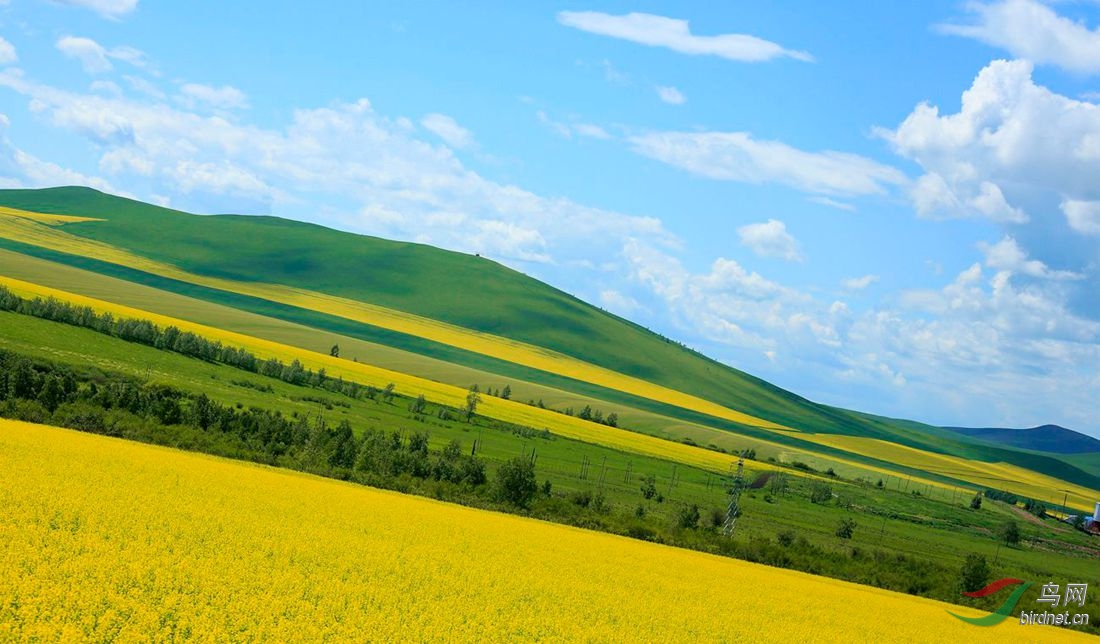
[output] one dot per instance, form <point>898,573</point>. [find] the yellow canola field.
<point>23,230</point>
<point>506,410</point>
<point>44,218</point>
<point>998,476</point>
<point>102,539</point>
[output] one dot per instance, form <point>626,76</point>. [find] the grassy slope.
<point>418,279</point>
<point>436,283</point>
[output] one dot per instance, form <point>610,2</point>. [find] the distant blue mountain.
<point>1045,438</point>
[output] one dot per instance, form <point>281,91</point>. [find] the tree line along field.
<point>928,538</point>
<point>224,550</point>
<point>518,308</point>
<point>916,461</point>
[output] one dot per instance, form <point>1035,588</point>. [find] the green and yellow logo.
<point>1002,612</point>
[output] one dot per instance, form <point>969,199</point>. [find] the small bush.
<point>820,492</point>
<point>688,517</point>
<point>515,482</point>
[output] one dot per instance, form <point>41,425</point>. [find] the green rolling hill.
<point>466,291</point>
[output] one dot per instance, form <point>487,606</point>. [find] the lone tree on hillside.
<point>845,528</point>
<point>820,492</point>
<point>334,351</point>
<point>974,574</point>
<point>473,398</point>
<point>976,502</point>
<point>1010,532</point>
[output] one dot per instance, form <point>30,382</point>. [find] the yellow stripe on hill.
<point>997,476</point>
<point>42,217</point>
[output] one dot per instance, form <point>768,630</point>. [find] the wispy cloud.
<point>675,34</point>
<point>568,130</point>
<point>107,8</point>
<point>95,58</point>
<point>7,52</point>
<point>448,129</point>
<point>670,95</point>
<point>1032,30</point>
<point>859,283</point>
<point>737,156</point>
<point>225,97</point>
<point>832,203</point>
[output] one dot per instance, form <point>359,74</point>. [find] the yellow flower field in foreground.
<point>104,539</point>
<point>19,225</point>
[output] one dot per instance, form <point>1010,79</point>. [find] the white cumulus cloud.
<point>1009,131</point>
<point>343,164</point>
<point>1006,255</point>
<point>770,239</point>
<point>1082,216</point>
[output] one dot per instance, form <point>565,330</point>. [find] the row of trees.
<point>184,342</point>
<point>586,413</point>
<point>1038,508</point>
<point>118,405</point>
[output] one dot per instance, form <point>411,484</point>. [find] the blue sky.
<point>892,207</point>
